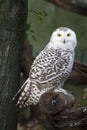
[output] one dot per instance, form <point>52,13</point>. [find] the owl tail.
<point>25,92</point>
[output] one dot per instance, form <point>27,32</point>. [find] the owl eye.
<point>68,34</point>
<point>59,35</point>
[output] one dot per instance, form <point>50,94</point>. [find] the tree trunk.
<point>13,14</point>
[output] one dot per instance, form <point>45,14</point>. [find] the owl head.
<point>64,38</point>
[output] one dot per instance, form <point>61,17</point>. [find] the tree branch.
<point>77,6</point>
<point>61,111</point>
<point>78,74</point>
<point>75,116</point>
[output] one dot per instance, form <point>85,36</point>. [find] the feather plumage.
<point>51,68</point>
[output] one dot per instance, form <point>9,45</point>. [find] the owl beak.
<point>64,41</point>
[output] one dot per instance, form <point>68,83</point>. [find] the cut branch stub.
<point>52,103</point>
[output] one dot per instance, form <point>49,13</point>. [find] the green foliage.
<point>30,32</point>
<point>28,27</point>
<point>40,14</point>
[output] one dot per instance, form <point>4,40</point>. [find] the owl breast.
<point>51,68</point>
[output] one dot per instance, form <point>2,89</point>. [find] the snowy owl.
<point>51,68</point>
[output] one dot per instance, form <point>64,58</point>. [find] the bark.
<point>76,116</point>
<point>77,6</point>
<point>13,14</point>
<point>27,58</point>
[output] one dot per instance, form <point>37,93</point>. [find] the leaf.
<point>26,35</point>
<point>45,14</point>
<point>34,37</point>
<point>28,27</point>
<point>41,14</point>
<point>32,31</point>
